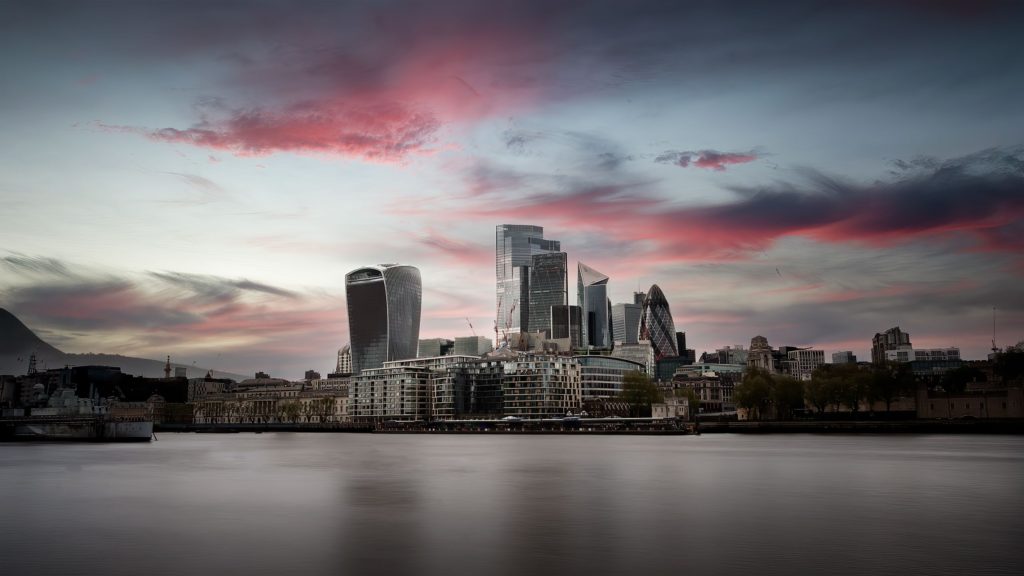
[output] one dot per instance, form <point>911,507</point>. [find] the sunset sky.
<point>196,178</point>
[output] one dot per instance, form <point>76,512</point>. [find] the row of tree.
<point>831,386</point>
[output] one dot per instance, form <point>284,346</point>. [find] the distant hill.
<point>18,342</point>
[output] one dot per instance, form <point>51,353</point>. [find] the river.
<point>353,504</point>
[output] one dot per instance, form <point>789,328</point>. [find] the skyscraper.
<point>515,246</point>
<point>383,314</point>
<point>656,324</point>
<point>626,323</point>
<point>549,286</point>
<point>592,294</point>
<point>566,324</point>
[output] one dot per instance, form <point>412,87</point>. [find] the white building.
<point>803,362</point>
<point>922,354</point>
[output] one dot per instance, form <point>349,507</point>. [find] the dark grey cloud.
<point>20,263</point>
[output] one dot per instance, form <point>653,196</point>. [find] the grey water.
<point>528,505</point>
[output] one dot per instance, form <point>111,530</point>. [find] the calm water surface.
<point>376,504</point>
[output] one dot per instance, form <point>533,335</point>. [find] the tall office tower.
<point>549,286</point>
<point>638,298</point>
<point>680,342</point>
<point>626,323</point>
<point>656,324</point>
<point>891,339</point>
<point>383,314</point>
<point>567,324</point>
<point>592,294</point>
<point>515,247</point>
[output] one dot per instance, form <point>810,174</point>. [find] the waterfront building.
<point>642,353</point>
<point>601,376</point>
<point>891,339</point>
<point>844,357</point>
<point>430,347</point>
<point>567,326</point>
<point>923,354</point>
<point>549,287</point>
<point>515,247</point>
<point>383,314</point>
<point>592,294</point>
<point>344,365</point>
<point>472,346</point>
<point>802,362</point>
<point>713,385</point>
<point>541,386</point>
<point>656,324</point>
<point>626,323</point>
<point>469,389</point>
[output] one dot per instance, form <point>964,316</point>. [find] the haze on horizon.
<point>196,179</point>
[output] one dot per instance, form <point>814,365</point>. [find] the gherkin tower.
<point>656,324</point>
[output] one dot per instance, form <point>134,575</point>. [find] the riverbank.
<point>987,426</point>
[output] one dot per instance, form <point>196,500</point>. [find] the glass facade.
<point>656,324</point>
<point>383,314</point>
<point>549,286</point>
<point>592,294</point>
<point>566,323</point>
<point>601,376</point>
<point>515,246</point>
<point>626,323</point>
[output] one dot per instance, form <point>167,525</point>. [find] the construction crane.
<point>470,326</point>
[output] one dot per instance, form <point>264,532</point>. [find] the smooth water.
<point>526,505</point>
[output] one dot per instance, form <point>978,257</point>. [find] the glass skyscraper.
<point>549,286</point>
<point>515,247</point>
<point>592,294</point>
<point>626,322</point>
<point>656,324</point>
<point>383,314</point>
<point>566,323</point>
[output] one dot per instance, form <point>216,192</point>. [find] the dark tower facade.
<point>383,314</point>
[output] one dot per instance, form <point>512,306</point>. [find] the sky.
<point>194,179</point>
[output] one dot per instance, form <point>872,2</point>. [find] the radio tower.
<point>167,368</point>
<point>995,349</point>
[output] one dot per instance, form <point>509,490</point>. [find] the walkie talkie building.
<point>656,324</point>
<point>383,314</point>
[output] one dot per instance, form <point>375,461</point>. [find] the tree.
<point>755,392</point>
<point>890,380</point>
<point>639,393</point>
<point>818,390</point>
<point>788,395</point>
<point>1009,364</point>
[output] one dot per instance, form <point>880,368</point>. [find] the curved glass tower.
<point>656,324</point>
<point>383,314</point>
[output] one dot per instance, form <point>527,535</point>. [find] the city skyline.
<point>196,183</point>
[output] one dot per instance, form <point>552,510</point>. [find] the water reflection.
<point>362,504</point>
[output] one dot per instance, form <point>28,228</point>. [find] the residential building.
<point>383,314</point>
<point>922,354</point>
<point>541,386</point>
<point>592,294</point>
<point>656,324</point>
<point>891,339</point>
<point>344,365</point>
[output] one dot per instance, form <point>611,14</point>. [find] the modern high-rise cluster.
<point>552,356</point>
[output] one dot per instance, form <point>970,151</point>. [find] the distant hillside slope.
<point>18,342</point>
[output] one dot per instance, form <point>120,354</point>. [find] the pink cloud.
<point>709,159</point>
